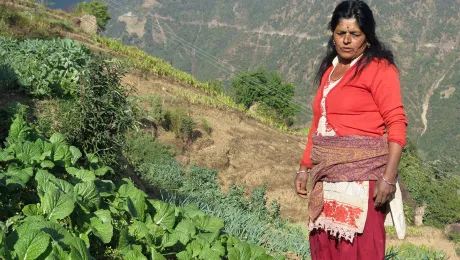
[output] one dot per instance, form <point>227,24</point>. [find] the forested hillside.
<point>217,39</point>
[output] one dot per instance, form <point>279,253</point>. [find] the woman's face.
<point>350,41</point>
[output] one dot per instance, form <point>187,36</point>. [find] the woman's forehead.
<point>349,24</point>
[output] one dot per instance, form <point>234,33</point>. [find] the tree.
<point>268,89</point>
<point>98,9</point>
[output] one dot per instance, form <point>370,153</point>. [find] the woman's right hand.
<point>301,182</point>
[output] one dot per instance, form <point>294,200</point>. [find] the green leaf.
<point>78,250</point>
<point>170,240</point>
<point>218,248</point>
<point>233,254</point>
<point>102,230</point>
<point>47,164</point>
<point>92,158</point>
<point>192,210</point>
<point>136,204</point>
<point>4,251</point>
<point>135,255</point>
<point>31,244</point>
<point>5,156</point>
<point>184,255</point>
<point>62,155</point>
<point>85,175</point>
<point>31,210</point>
<point>76,154</point>
<point>57,253</point>
<point>56,204</point>
<point>22,174</point>
<point>48,149</point>
<point>88,195</point>
<point>185,230</point>
<point>157,256</point>
<point>194,248</point>
<point>28,152</point>
<point>138,230</point>
<point>210,254</point>
<point>106,188</point>
<point>85,238</point>
<point>245,250</point>
<point>104,215</point>
<point>124,243</point>
<point>103,170</point>
<point>207,223</point>
<point>256,251</point>
<point>164,216</point>
<point>57,139</point>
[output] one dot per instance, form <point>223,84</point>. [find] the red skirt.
<point>368,245</point>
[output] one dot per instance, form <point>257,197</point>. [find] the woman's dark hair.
<point>362,13</point>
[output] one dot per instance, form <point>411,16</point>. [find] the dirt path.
<point>430,93</point>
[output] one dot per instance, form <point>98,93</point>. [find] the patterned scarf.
<point>343,159</point>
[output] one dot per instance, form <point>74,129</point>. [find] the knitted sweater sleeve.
<point>306,160</point>
<point>386,92</point>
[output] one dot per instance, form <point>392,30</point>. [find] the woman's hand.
<point>382,192</point>
<point>301,182</point>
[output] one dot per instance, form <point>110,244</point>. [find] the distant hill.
<point>289,36</point>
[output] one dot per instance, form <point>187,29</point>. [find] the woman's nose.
<point>347,39</point>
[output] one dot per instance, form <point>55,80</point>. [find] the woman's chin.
<point>347,56</point>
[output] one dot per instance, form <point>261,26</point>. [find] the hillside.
<point>218,39</point>
<point>176,138</point>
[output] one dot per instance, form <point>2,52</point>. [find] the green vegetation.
<point>268,91</point>
<point>97,8</point>
<point>439,194</point>
<point>68,205</point>
<point>43,68</point>
<point>248,218</point>
<point>410,251</point>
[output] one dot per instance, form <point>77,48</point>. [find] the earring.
<point>368,45</point>
<point>333,42</point>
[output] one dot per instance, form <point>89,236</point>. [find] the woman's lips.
<point>347,49</point>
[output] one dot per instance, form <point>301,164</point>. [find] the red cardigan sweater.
<point>369,104</point>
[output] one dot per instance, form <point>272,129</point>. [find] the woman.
<point>349,167</point>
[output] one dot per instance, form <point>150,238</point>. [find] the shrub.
<point>267,88</point>
<point>97,8</point>
<point>180,123</point>
<point>105,112</point>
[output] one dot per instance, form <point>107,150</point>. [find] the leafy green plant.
<point>45,68</point>
<point>242,217</point>
<point>78,215</point>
